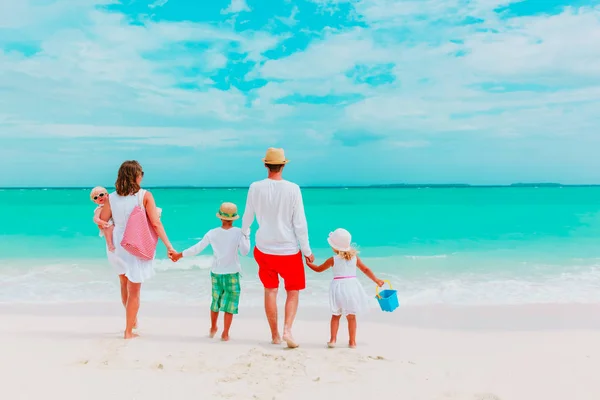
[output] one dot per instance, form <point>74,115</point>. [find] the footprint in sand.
<point>477,396</point>
<point>258,367</point>
<point>486,396</point>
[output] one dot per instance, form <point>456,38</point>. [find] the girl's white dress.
<point>134,268</point>
<point>346,294</point>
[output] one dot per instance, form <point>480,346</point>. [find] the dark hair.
<point>274,167</point>
<point>127,178</point>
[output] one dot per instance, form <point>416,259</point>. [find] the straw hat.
<point>275,157</point>
<point>228,212</point>
<point>340,240</point>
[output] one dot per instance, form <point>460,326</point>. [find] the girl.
<point>346,294</point>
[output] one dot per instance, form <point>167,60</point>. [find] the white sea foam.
<point>188,281</point>
<point>426,257</point>
<point>200,262</point>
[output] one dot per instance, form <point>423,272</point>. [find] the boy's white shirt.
<point>226,244</point>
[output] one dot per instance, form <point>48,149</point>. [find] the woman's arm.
<point>323,267</point>
<point>367,271</point>
<point>150,206</point>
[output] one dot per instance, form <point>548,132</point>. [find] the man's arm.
<point>300,225</point>
<point>244,245</point>
<point>248,217</point>
<point>323,267</point>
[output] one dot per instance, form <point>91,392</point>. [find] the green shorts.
<point>225,292</point>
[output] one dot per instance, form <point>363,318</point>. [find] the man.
<point>281,238</point>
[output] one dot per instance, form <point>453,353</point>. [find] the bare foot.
<point>289,340</point>
<point>130,335</point>
<point>352,345</point>
<point>276,340</point>
<point>331,345</point>
<point>225,337</point>
<point>213,332</point>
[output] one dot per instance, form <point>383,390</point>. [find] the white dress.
<point>346,294</point>
<point>134,268</point>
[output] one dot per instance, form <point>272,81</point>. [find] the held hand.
<point>172,253</point>
<point>310,259</point>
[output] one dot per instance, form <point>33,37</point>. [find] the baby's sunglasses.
<point>100,195</point>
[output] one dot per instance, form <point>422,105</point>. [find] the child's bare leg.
<point>335,325</point>
<point>108,235</point>
<point>352,330</point>
<point>227,322</point>
<point>214,317</point>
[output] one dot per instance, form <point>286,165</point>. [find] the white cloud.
<point>291,20</point>
<point>104,70</point>
<point>329,57</point>
<point>107,69</point>
<point>409,143</point>
<point>554,45</point>
<point>158,3</point>
<point>437,92</point>
<point>138,135</point>
<point>236,6</point>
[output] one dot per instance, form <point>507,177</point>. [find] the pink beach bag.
<point>140,238</point>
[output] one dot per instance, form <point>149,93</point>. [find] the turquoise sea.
<point>460,246</point>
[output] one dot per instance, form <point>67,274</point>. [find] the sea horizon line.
<point>376,186</point>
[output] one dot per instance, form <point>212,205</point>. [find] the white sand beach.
<point>74,351</point>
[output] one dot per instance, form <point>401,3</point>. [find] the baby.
<point>99,195</point>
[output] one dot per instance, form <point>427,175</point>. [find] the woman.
<point>133,271</point>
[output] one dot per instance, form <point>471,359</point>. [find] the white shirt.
<point>279,211</point>
<point>225,244</point>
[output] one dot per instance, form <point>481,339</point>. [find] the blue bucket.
<point>388,298</point>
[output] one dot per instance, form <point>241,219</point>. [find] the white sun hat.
<point>340,240</point>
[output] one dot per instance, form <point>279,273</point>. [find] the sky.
<point>355,91</point>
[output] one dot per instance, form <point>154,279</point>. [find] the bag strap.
<point>140,197</point>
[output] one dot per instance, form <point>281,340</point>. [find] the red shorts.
<point>291,269</point>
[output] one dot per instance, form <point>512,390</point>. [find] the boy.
<point>226,241</point>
